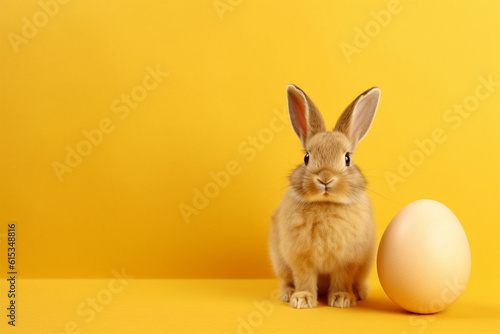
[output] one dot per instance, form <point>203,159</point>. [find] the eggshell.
<point>424,259</point>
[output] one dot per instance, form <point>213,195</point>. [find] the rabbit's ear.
<point>358,117</point>
<point>304,115</point>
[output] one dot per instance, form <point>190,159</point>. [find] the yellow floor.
<point>224,306</point>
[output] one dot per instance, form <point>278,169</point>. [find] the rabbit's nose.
<point>326,180</point>
<point>329,182</point>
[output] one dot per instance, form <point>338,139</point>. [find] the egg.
<point>424,260</point>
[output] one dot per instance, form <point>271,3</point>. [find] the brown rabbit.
<point>323,232</point>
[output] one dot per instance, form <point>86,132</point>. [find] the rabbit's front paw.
<point>303,299</point>
<point>341,299</point>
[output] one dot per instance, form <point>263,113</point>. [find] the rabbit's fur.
<point>323,232</point>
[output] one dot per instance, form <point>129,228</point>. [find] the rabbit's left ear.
<point>358,117</point>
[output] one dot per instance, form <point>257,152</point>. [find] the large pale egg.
<point>424,260</point>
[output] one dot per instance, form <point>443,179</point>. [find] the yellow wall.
<point>172,93</point>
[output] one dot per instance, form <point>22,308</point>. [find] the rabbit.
<point>323,235</point>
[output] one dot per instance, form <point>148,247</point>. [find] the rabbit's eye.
<point>348,159</point>
<point>306,159</point>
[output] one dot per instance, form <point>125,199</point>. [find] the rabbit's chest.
<point>325,239</point>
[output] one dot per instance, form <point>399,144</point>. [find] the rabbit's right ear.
<point>304,115</point>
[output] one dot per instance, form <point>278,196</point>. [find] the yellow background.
<point>120,207</point>
<point>221,110</point>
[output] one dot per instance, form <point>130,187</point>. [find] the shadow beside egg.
<point>380,304</point>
